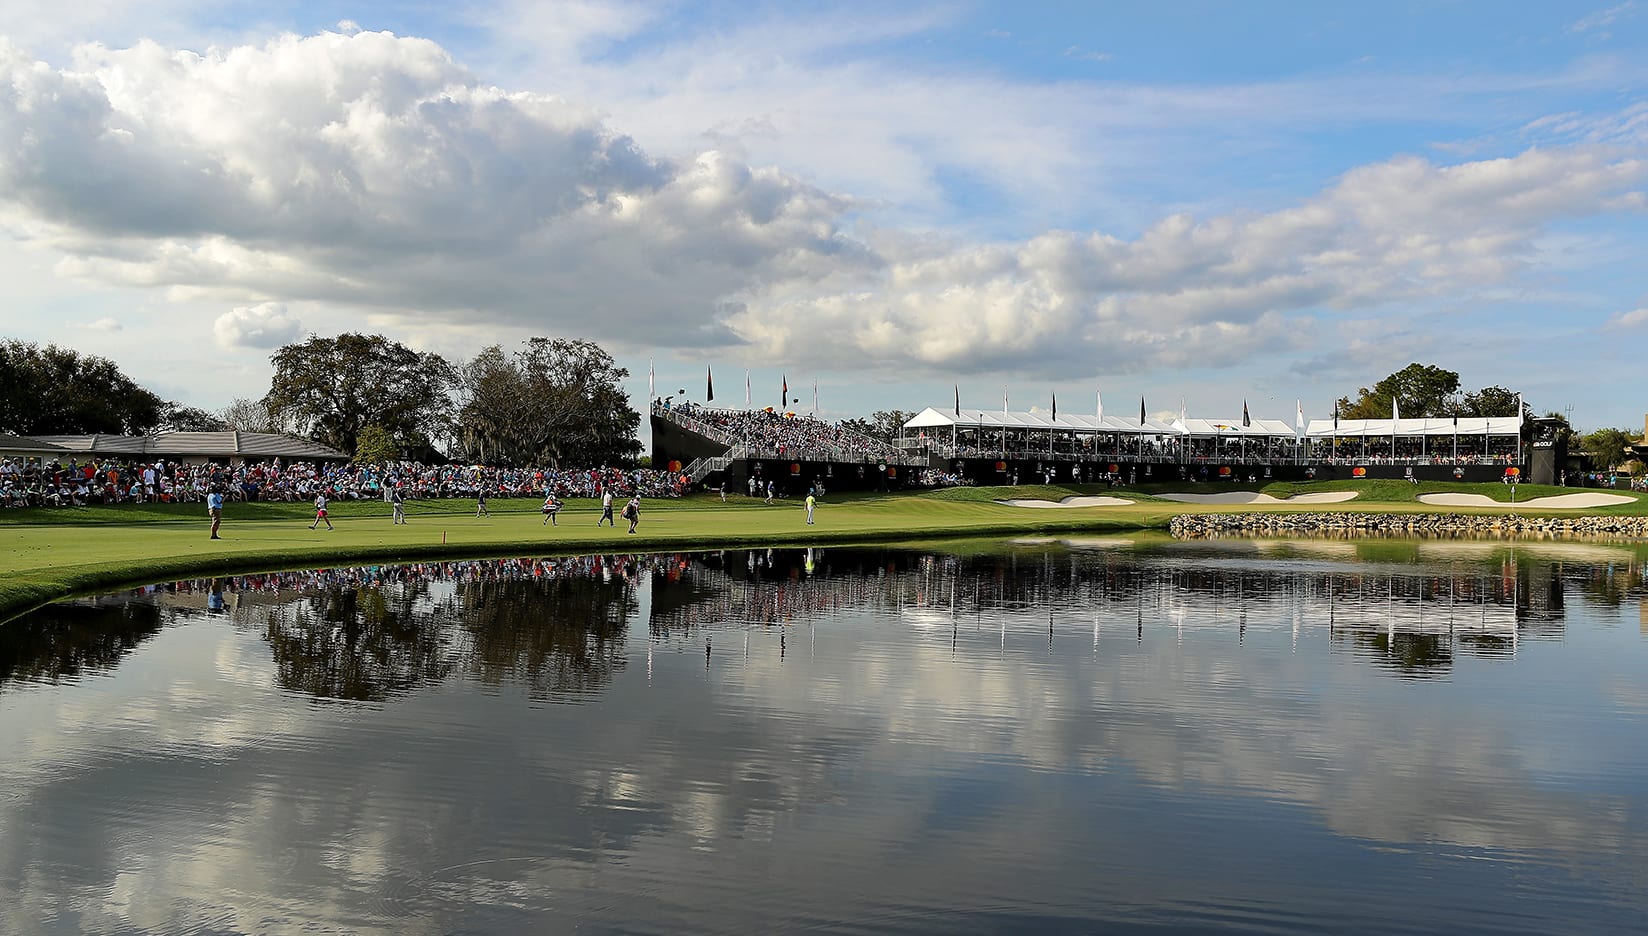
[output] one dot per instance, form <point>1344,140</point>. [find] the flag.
<point>1055,407</point>
<point>1396,412</point>
<point>1141,409</point>
<point>1181,411</point>
<point>1299,415</point>
<point>1519,407</point>
<point>784,394</point>
<point>958,401</point>
<point>709,385</point>
<point>1004,404</point>
<point>1098,404</point>
<point>746,388</point>
<point>651,391</point>
<point>1336,417</point>
<point>815,396</point>
<point>1246,419</point>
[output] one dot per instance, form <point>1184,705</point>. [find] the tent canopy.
<point>931,419</point>
<point>1435,426</point>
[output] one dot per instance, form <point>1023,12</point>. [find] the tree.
<point>57,391</point>
<point>554,400</point>
<point>1607,446</point>
<point>1489,401</point>
<point>332,388</point>
<point>250,416</point>
<point>374,446</point>
<point>175,417</point>
<point>1420,389</point>
<point>883,425</point>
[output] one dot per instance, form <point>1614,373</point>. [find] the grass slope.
<point>49,554</point>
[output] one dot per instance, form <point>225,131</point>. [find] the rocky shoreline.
<point>1201,526</point>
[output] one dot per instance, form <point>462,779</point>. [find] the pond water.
<point>1255,736</point>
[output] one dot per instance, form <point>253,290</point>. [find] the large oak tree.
<point>331,388</point>
<point>553,401</point>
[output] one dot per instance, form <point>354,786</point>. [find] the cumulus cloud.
<point>265,325</point>
<point>1188,292</point>
<point>372,171</point>
<point>104,324</point>
<point>1636,318</point>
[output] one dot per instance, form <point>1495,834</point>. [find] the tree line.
<point>550,401</point>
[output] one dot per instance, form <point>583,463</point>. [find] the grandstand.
<point>988,447</point>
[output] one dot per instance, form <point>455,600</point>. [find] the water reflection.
<point>558,625</point>
<point>1045,737</point>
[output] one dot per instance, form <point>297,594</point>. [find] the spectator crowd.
<point>31,483</point>
<point>784,435</point>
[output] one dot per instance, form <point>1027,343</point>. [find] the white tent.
<point>932,421</point>
<point>1436,426</point>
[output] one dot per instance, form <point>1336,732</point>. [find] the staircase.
<point>700,468</point>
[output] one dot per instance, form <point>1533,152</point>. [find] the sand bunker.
<point>1588,499</point>
<point>1251,497</point>
<point>1069,502</point>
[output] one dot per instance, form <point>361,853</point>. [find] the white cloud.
<point>1636,318</point>
<point>1602,19</point>
<point>1201,293</point>
<point>104,324</point>
<point>265,325</point>
<point>372,172</point>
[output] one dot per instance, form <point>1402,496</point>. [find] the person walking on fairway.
<point>606,508</point>
<point>320,512</point>
<point>480,504</point>
<point>810,504</point>
<point>551,508</point>
<point>632,512</point>
<point>769,492</point>
<point>396,501</point>
<point>214,509</point>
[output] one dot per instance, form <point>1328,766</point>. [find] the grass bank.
<point>50,554</point>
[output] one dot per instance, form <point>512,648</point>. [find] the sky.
<point>1196,201</point>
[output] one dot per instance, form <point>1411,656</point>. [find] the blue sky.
<point>1212,201</point>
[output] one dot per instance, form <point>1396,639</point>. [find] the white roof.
<point>1266,428</point>
<point>1435,426</point>
<point>1080,423</point>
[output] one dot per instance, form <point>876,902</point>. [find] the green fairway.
<point>47,554</point>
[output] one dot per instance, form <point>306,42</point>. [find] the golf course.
<point>52,553</point>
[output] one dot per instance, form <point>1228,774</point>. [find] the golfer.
<point>606,508</point>
<point>632,512</point>
<point>551,508</point>
<point>214,509</point>
<point>396,502</point>
<point>320,512</point>
<point>810,504</point>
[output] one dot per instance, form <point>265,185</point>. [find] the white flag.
<point>651,388</point>
<point>1004,400</point>
<point>1098,404</point>
<point>1299,415</point>
<point>815,396</point>
<point>746,389</point>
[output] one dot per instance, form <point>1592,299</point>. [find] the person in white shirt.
<point>320,512</point>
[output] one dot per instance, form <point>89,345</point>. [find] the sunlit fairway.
<point>47,554</point>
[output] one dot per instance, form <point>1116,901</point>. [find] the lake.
<point>1249,735</point>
